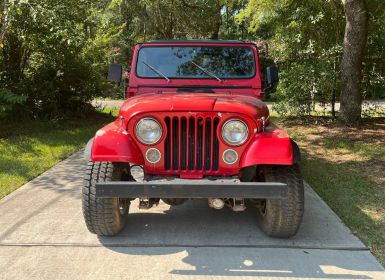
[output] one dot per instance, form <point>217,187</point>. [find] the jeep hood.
<point>194,102</point>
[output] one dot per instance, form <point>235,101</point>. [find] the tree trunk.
<point>218,22</point>
<point>355,38</point>
<point>4,20</point>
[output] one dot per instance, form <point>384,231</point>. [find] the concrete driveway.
<point>43,236</point>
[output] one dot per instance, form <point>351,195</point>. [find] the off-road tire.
<point>103,216</point>
<point>282,217</point>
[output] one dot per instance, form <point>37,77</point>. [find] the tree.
<point>47,66</point>
<point>304,39</point>
<point>54,57</point>
<point>4,6</point>
<point>355,39</point>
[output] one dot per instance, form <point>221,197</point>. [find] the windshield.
<point>196,62</point>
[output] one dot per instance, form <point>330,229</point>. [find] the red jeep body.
<point>233,98</point>
<point>192,113</point>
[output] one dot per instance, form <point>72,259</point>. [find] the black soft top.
<point>196,41</point>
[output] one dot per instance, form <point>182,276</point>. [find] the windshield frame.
<point>255,55</point>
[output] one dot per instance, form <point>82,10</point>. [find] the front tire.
<point>282,217</point>
<point>103,216</point>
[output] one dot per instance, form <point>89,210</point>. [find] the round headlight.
<point>235,132</point>
<point>148,131</point>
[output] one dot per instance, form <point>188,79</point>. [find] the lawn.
<point>28,148</point>
<point>346,167</point>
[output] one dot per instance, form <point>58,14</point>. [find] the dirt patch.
<point>360,147</point>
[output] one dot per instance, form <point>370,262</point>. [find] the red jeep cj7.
<point>195,125</point>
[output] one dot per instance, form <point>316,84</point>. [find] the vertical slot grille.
<point>191,144</point>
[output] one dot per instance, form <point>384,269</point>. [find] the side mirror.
<point>115,73</point>
<point>272,75</point>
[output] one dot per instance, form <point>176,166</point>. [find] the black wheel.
<point>103,216</point>
<point>282,217</point>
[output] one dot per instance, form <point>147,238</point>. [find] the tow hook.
<point>148,203</point>
<point>237,204</point>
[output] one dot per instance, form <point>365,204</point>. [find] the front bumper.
<point>205,188</point>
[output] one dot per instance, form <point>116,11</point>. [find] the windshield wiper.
<point>156,71</point>
<point>207,71</point>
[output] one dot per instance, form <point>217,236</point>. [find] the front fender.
<point>111,144</point>
<point>273,146</point>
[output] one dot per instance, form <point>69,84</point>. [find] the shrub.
<point>9,100</point>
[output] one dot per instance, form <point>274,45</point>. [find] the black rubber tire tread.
<point>102,215</point>
<point>282,217</point>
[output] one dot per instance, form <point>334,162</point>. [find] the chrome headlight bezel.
<point>148,141</point>
<point>235,143</point>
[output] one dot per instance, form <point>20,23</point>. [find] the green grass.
<point>111,111</point>
<point>357,200</point>
<point>28,148</point>
<point>345,166</point>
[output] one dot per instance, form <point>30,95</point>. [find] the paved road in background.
<point>43,236</point>
<point>118,103</point>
